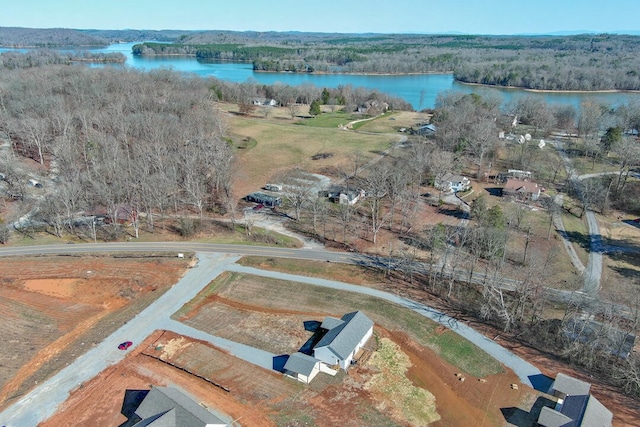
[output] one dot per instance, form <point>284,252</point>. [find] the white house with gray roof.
<point>169,407</point>
<point>343,339</point>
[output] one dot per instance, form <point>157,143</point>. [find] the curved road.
<point>593,270</point>
<point>43,401</point>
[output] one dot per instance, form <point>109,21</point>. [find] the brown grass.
<point>282,145</point>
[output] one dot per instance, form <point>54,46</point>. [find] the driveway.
<point>523,369</point>
<point>43,401</point>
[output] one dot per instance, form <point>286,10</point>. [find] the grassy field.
<point>282,146</point>
<point>280,295</point>
<point>584,165</point>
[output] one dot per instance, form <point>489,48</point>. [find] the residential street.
<point>43,401</point>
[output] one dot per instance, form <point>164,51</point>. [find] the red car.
<point>125,345</point>
<point>258,207</point>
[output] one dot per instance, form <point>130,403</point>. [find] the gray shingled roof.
<point>160,402</point>
<point>331,322</point>
<point>596,414</point>
<point>552,418</point>
<point>301,363</point>
<point>343,338</point>
<point>570,386</point>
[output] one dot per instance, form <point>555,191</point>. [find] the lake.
<point>420,90</point>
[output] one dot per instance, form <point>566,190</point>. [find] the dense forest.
<point>582,62</point>
<point>115,141</point>
<point>587,62</point>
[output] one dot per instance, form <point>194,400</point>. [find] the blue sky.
<point>378,16</point>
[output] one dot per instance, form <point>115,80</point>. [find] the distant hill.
<point>50,37</point>
<point>115,36</point>
<point>57,37</point>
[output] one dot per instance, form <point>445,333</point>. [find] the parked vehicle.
<point>125,345</point>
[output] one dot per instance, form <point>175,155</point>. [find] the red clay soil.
<point>138,372</point>
<point>254,394</point>
<point>49,302</point>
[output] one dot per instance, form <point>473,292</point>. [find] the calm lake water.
<point>419,90</point>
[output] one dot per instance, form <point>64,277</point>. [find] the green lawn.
<point>283,295</point>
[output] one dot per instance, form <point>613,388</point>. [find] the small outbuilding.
<point>342,195</point>
<point>34,183</point>
<point>265,199</point>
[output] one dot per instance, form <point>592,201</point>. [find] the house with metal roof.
<point>265,199</point>
<point>169,407</point>
<point>344,337</point>
<point>575,406</point>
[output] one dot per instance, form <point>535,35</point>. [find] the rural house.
<point>450,183</point>
<point>169,407</point>
<point>342,195</point>
<point>521,189</point>
<point>343,339</point>
<point>264,101</point>
<point>429,129</point>
<point>575,406</point>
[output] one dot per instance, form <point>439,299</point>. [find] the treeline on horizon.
<point>585,62</point>
<point>580,62</point>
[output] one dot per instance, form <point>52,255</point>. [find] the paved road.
<point>593,270</point>
<point>42,402</point>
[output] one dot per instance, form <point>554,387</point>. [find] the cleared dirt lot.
<point>270,315</point>
<point>55,308</point>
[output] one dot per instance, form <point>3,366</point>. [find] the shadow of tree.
<point>454,212</point>
<point>581,239</point>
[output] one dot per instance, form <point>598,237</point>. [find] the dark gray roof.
<point>573,407</point>
<point>570,386</point>
<point>169,407</point>
<point>343,338</point>
<point>552,418</point>
<point>301,363</point>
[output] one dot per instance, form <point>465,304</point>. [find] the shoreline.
<point>548,90</point>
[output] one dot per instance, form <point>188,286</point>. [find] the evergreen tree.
<point>325,96</point>
<point>314,109</point>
